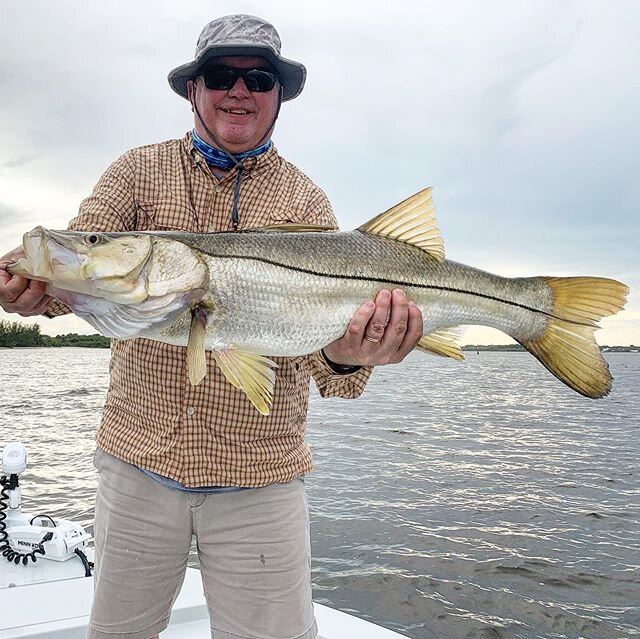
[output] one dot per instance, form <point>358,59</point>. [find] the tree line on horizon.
<point>17,334</point>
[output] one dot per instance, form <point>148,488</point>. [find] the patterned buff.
<point>221,159</point>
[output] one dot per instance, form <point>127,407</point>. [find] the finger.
<point>11,257</point>
<point>398,322</point>
<point>376,326</point>
<point>355,331</point>
<point>30,298</point>
<point>42,306</point>
<point>13,287</point>
<point>413,334</point>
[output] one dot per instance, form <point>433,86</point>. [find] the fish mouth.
<point>35,264</point>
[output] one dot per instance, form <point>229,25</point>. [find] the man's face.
<point>237,117</point>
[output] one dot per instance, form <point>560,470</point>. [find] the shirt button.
<point>191,410</point>
<point>218,189</point>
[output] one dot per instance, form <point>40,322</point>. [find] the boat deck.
<point>60,610</point>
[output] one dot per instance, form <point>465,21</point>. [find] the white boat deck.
<point>60,609</point>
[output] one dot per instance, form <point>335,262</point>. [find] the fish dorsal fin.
<point>253,374</point>
<point>292,227</point>
<point>443,343</point>
<point>413,221</point>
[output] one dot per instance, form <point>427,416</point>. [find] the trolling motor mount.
<point>21,538</point>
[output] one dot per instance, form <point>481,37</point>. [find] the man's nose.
<point>239,89</point>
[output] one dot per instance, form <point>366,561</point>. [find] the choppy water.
<point>473,500</point>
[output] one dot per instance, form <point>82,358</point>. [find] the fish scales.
<point>286,289</point>
<point>250,295</point>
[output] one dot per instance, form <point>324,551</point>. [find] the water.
<point>457,501</point>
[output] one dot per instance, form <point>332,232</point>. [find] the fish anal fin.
<point>568,348</point>
<point>413,221</point>
<point>196,356</point>
<point>443,343</point>
<point>252,374</point>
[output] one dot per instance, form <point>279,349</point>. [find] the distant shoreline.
<point>505,348</point>
<point>74,340</point>
<point>18,335</point>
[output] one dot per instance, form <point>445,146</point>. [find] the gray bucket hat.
<point>241,35</point>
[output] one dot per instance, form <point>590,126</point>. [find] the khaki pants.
<point>253,547</point>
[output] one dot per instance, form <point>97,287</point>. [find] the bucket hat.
<point>241,34</point>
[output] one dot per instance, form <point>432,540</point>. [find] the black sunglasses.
<point>223,78</point>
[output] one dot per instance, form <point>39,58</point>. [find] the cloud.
<point>17,161</point>
<point>523,116</point>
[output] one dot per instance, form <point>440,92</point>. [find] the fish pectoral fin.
<point>196,356</point>
<point>252,374</point>
<point>292,227</point>
<point>413,221</point>
<point>443,343</point>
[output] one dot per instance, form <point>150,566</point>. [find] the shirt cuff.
<point>56,308</point>
<point>339,369</point>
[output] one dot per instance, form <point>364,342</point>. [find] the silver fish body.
<point>293,293</point>
<point>286,292</point>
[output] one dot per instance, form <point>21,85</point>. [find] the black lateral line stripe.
<point>432,287</point>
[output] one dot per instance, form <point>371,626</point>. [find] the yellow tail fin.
<point>568,348</point>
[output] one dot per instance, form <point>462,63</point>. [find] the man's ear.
<point>191,92</point>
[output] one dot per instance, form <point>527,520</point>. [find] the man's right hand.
<point>19,294</point>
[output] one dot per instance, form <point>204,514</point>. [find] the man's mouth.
<point>236,111</point>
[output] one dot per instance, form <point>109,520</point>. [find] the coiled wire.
<point>5,548</point>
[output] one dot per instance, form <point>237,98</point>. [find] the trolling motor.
<point>23,539</point>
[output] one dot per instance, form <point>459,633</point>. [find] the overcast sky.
<point>522,114</point>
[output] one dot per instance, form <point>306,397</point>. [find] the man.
<point>176,460</point>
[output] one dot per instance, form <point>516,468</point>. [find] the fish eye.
<point>92,239</point>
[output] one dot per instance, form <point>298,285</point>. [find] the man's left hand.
<point>380,332</point>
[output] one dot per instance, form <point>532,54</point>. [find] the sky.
<point>522,115</point>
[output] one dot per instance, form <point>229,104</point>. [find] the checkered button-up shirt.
<point>208,434</point>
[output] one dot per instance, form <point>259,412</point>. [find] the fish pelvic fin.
<point>413,221</point>
<point>196,356</point>
<point>568,348</point>
<point>253,374</point>
<point>443,343</point>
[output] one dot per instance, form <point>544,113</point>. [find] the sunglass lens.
<point>223,78</point>
<point>259,80</point>
<point>219,78</point>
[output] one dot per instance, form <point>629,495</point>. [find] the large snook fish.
<point>290,291</point>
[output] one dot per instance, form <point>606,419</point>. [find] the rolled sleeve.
<point>332,384</point>
<point>111,206</point>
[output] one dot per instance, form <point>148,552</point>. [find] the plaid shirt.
<point>208,434</point>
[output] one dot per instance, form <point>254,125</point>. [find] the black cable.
<point>88,565</point>
<point>5,548</point>
<point>235,216</point>
<point>53,523</point>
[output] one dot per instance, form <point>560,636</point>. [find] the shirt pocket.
<point>165,214</point>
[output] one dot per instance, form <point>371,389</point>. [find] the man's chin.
<point>238,138</point>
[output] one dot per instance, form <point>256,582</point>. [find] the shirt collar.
<point>250,165</point>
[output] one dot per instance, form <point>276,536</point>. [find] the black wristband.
<point>340,369</point>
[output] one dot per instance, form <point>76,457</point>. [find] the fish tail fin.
<point>568,348</point>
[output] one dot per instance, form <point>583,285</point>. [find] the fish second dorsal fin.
<point>413,221</point>
<point>290,227</point>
